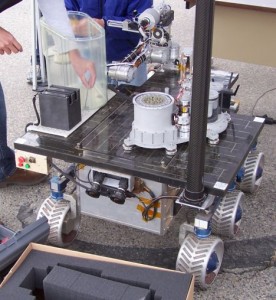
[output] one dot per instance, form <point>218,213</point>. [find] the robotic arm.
<point>155,45</point>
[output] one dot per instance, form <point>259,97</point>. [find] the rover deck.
<point>98,142</point>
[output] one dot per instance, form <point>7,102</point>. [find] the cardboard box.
<point>25,279</point>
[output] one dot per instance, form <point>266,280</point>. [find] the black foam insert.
<point>62,283</point>
<point>78,278</point>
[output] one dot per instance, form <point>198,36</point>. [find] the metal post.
<point>194,191</point>
<point>36,42</point>
<point>34,39</point>
<point>41,57</point>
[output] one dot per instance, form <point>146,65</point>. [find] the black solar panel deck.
<point>98,142</point>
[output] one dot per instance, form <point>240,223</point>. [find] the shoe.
<point>24,178</point>
<point>37,73</point>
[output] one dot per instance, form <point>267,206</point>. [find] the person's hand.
<point>80,27</point>
<point>99,21</point>
<point>84,68</point>
<point>8,43</point>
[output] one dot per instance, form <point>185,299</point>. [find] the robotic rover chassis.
<point>231,163</point>
<point>208,179</point>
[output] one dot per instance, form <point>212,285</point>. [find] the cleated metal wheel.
<point>64,219</point>
<point>226,220</point>
<point>254,167</point>
<point>200,257</point>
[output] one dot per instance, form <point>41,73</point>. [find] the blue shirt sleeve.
<point>121,11</point>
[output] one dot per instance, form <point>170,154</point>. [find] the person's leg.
<point>9,174</point>
<point>7,162</point>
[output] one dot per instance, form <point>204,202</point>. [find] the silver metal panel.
<point>128,213</point>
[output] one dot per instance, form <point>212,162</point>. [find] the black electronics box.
<point>60,107</point>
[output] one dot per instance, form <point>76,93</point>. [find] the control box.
<point>32,162</point>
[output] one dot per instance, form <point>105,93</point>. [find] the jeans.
<point>7,159</point>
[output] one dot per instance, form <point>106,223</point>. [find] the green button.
<point>27,166</point>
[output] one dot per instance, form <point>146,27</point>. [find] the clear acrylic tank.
<point>89,39</point>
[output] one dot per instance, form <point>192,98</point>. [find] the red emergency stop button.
<point>21,160</point>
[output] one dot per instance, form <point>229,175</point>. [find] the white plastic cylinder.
<point>153,111</point>
<point>213,102</point>
<point>151,16</point>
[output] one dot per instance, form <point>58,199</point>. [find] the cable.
<point>82,180</point>
<point>139,198</point>
<point>268,120</point>
<point>36,112</point>
<point>71,178</point>
<point>151,193</point>
<point>268,91</point>
<point>145,213</point>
